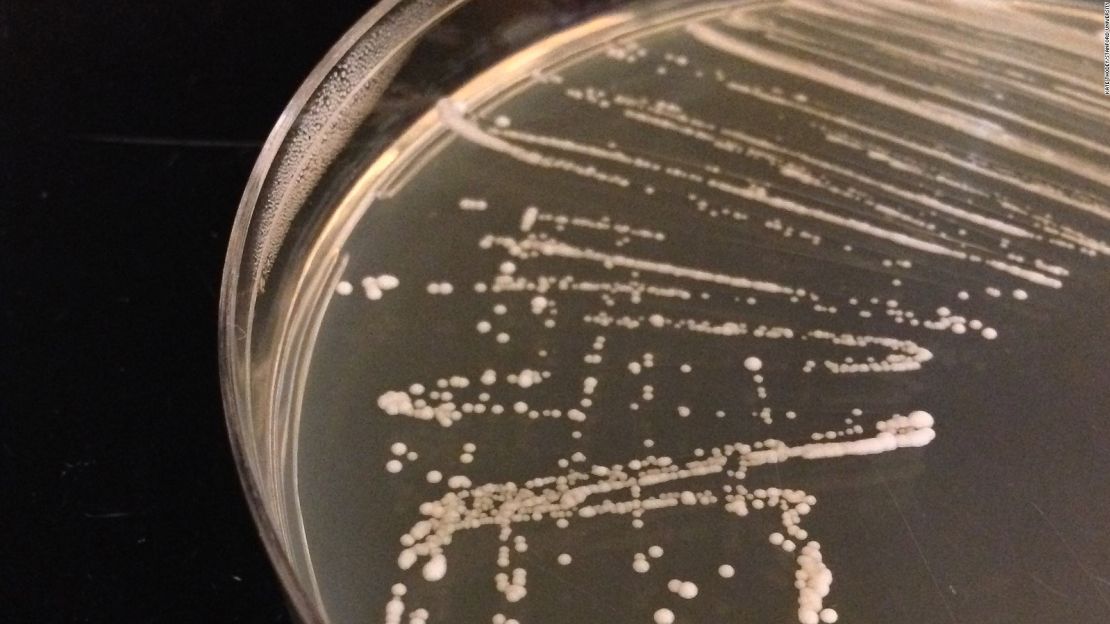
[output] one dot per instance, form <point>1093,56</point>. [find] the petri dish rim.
<point>243,274</point>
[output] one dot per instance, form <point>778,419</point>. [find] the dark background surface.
<point>127,132</point>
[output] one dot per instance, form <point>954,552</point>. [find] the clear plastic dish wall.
<point>385,72</point>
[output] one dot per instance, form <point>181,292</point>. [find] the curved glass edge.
<point>245,269</point>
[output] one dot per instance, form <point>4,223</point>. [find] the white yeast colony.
<point>931,235</point>
<point>651,484</point>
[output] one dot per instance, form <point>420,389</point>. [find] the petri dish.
<point>682,311</point>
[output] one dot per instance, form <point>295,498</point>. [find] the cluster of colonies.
<point>870,217</point>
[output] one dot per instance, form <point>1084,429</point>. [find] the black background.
<point>128,133</point>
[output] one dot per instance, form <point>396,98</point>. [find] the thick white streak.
<point>967,215</point>
<point>502,504</point>
<point>811,46</point>
<point>1044,190</point>
<point>717,142</point>
<point>451,115</point>
<point>953,119</point>
<point>965,69</point>
<point>556,248</point>
<point>942,39</point>
<point>989,18</point>
<point>759,194</point>
<point>1032,276</point>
